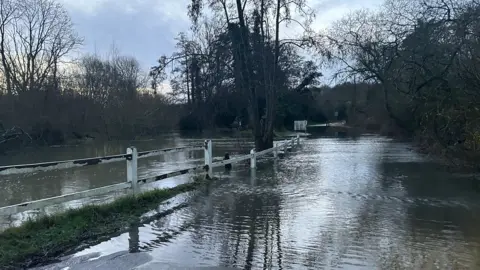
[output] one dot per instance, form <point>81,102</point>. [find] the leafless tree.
<point>8,13</point>
<point>37,36</point>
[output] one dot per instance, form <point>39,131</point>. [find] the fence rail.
<point>132,182</point>
<point>67,164</point>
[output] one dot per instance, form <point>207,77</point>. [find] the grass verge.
<point>44,239</point>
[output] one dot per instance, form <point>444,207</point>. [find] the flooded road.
<point>334,203</point>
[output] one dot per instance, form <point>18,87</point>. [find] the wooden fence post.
<point>275,150</point>
<point>132,168</point>
<point>253,159</point>
<point>298,139</point>
<point>208,156</point>
<point>285,147</point>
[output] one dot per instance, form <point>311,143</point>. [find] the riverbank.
<point>455,159</point>
<point>43,240</point>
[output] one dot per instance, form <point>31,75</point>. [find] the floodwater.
<point>334,203</point>
<point>28,186</point>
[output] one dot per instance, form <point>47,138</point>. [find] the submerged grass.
<point>45,239</point>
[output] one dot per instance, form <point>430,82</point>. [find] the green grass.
<point>45,239</point>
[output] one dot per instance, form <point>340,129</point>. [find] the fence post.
<point>275,150</point>
<point>253,159</point>
<point>208,156</point>
<point>285,147</point>
<point>132,168</point>
<point>298,139</point>
<point>293,143</point>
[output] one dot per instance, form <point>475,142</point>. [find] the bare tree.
<point>37,38</point>
<point>8,13</point>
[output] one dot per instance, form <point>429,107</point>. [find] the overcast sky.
<point>146,28</point>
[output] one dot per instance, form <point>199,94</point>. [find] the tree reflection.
<point>251,234</point>
<point>438,223</point>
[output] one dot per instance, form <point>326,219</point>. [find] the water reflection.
<point>367,203</point>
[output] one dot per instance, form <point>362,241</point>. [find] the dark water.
<point>335,203</point>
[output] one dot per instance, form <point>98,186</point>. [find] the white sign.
<point>300,125</point>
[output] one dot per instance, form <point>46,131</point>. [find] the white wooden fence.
<point>132,182</point>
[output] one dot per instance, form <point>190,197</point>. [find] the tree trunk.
<point>188,81</point>
<point>399,122</point>
<point>246,68</point>
<point>6,67</point>
<point>264,142</point>
<point>270,91</point>
<point>192,80</point>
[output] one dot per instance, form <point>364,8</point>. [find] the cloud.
<point>173,10</point>
<point>87,6</point>
<point>329,11</point>
<point>146,29</point>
